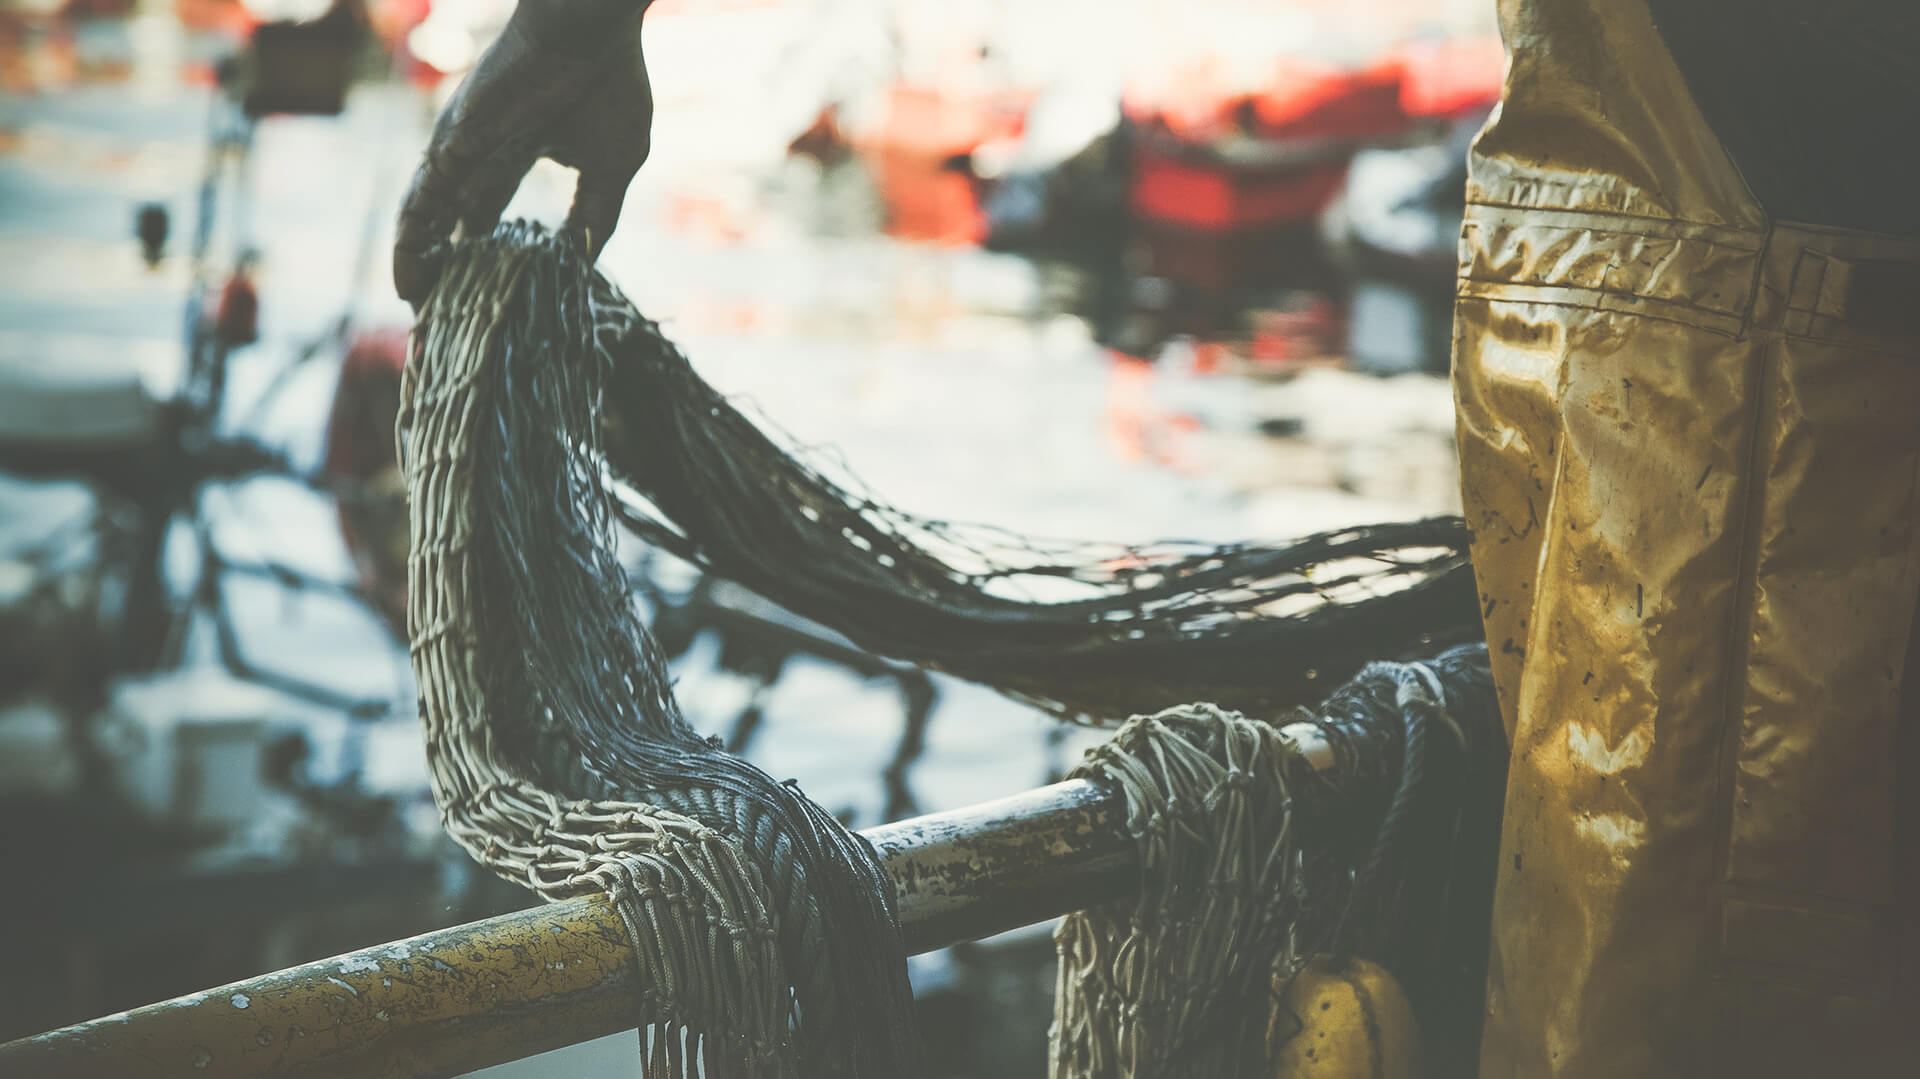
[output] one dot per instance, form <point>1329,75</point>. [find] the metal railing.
<point>496,990</point>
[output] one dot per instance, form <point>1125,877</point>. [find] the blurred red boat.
<point>1275,156</point>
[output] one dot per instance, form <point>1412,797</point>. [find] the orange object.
<point>229,17</point>
<point>1309,102</point>
<point>930,123</point>
<point>918,155</point>
<point>1451,79</point>
<point>928,201</point>
<point>360,462</point>
<point>1309,117</point>
<point>236,319</point>
<point>1215,196</point>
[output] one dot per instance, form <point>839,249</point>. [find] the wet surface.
<point>948,379</point>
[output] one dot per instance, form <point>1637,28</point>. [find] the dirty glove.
<point>566,80</point>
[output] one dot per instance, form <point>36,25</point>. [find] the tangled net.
<point>765,929</point>
<point>1094,632</point>
<point>1253,860</point>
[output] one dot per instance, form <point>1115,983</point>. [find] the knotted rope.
<point>1246,870</point>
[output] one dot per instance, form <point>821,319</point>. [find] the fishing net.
<point>1084,630</point>
<point>539,407</point>
<point>1253,860</point>
<point>764,929</point>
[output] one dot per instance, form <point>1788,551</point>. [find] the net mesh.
<point>540,408</point>
<point>1255,858</point>
<point>764,928</point>
<point>1089,631</point>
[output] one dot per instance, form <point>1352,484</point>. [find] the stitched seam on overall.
<point>1658,267</point>
<point>1731,237</point>
<point>1582,299</point>
<point>1738,649</point>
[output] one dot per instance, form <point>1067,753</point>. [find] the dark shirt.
<point>1817,102</point>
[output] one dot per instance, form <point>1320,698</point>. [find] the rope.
<point>1421,699</point>
<point>1208,796</point>
<point>1248,869</point>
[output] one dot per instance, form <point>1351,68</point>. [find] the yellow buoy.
<point>1342,1019</point>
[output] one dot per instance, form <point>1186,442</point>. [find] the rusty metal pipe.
<point>496,990</point>
<point>492,991</point>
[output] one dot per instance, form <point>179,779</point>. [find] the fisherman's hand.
<point>566,80</point>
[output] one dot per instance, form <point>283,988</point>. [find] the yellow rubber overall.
<point>1690,449</point>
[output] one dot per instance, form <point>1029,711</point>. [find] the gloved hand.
<point>566,80</point>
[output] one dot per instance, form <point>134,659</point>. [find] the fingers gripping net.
<point>1087,631</point>
<point>764,929</point>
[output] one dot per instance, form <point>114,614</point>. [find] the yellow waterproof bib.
<point>1690,449</point>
